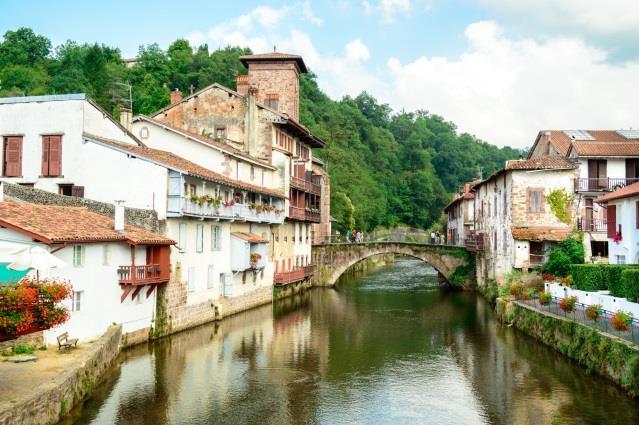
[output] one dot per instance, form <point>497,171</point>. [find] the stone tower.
<point>275,77</point>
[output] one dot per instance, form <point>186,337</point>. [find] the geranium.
<point>568,304</point>
<point>545,298</point>
<point>621,320</point>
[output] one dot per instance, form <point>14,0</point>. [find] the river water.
<point>385,347</point>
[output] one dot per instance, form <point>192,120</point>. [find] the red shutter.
<point>45,155</point>
<point>55,156</point>
<point>637,213</point>
<point>612,220</point>
<point>13,156</point>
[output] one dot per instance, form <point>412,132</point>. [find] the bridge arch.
<point>332,260</point>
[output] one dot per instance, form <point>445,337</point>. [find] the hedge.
<point>629,283</point>
<point>596,277</point>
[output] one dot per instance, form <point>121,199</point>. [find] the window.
<point>535,200</point>
<point>12,156</point>
<point>220,132</point>
<point>78,256</point>
<point>51,156</point>
<point>71,190</point>
<point>190,189</point>
<point>106,254</point>
<point>215,238</point>
<point>191,279</point>
<point>271,101</point>
<point>252,172</point>
<point>77,300</point>
<point>199,238</point>
<point>210,280</point>
<point>182,237</point>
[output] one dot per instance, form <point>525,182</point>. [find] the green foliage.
<point>629,283</point>
<point>620,280</point>
<point>567,252</point>
<point>545,298</point>
<point>560,203</point>
<point>587,277</point>
<point>23,349</point>
<point>386,169</point>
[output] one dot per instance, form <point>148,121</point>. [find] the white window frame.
<point>199,238</point>
<point>215,238</point>
<point>182,237</point>
<point>76,302</point>
<point>210,281</point>
<point>81,250</point>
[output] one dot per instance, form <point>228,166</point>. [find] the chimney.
<point>251,118</point>
<point>545,142</point>
<point>176,96</point>
<point>126,117</point>
<point>242,84</point>
<point>119,216</point>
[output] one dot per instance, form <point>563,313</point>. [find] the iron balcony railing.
<point>596,225</point>
<point>602,184</point>
<point>232,212</point>
<point>140,275</point>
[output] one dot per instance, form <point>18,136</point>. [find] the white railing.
<point>231,212</point>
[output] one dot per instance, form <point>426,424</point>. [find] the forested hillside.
<point>387,168</point>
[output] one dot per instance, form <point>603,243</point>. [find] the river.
<point>384,347</point>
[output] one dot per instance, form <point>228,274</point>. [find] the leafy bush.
<point>516,289</point>
<point>621,321</point>
<point>593,312</point>
<point>568,304</point>
<point>23,349</point>
<point>545,298</point>
<point>567,252</point>
<point>513,276</point>
<point>587,277</point>
<point>629,283</point>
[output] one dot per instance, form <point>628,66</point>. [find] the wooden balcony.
<point>475,243</point>
<point>284,278</point>
<point>147,274</point>
<point>305,185</point>
<point>603,184</point>
<point>304,214</point>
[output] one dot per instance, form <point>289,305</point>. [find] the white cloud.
<point>357,51</point>
<point>505,90</point>
<point>309,15</point>
<point>388,9</point>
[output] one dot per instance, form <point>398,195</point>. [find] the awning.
<point>249,237</point>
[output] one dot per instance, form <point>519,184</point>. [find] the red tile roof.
<point>465,196</point>
<point>599,149</point>
<point>605,143</point>
<point>178,163</point>
<point>274,57</point>
<point>541,163</point>
<point>59,224</point>
<point>624,192</point>
<point>249,237</point>
<point>540,233</point>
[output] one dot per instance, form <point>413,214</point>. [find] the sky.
<point>499,69</point>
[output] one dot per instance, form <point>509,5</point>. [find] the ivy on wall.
<point>561,204</point>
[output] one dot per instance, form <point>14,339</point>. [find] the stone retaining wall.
<point>34,339</point>
<point>606,354</point>
<point>50,402</point>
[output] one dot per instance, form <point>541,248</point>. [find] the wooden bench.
<point>65,342</point>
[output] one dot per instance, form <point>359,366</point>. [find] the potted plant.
<point>621,320</point>
<point>545,298</point>
<point>566,281</point>
<point>548,277</point>
<point>194,198</point>
<point>254,258</point>
<point>528,294</point>
<point>567,304</point>
<point>593,312</point>
<point>516,289</point>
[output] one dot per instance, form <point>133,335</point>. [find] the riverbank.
<point>44,391</point>
<point>605,354</point>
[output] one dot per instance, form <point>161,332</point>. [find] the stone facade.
<point>34,339</point>
<point>50,402</point>
<point>277,79</point>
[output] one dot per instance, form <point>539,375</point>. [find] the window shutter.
<point>45,155</point>
<point>13,157</point>
<point>77,191</point>
<point>55,156</point>
<point>611,213</point>
<point>637,213</point>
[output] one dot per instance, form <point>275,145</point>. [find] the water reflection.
<point>385,347</point>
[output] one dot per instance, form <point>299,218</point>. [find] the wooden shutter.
<point>637,214</point>
<point>45,155</point>
<point>13,156</point>
<point>612,220</point>
<point>77,191</point>
<point>55,156</point>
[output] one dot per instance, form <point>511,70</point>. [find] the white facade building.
<point>622,212</point>
<point>461,216</point>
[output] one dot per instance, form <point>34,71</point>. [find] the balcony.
<point>304,214</point>
<point>141,275</point>
<point>596,225</point>
<point>305,185</point>
<point>475,243</point>
<point>284,278</point>
<point>604,184</point>
<point>240,212</point>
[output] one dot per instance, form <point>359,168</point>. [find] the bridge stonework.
<point>454,263</point>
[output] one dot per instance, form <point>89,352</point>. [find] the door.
<point>536,252</point>
<point>597,174</point>
<point>588,225</point>
<point>632,170</point>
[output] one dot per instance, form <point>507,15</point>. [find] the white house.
<point>607,161</point>
<point>461,215</point>
<point>622,213</point>
<point>114,268</point>
<point>44,146</point>
<point>514,223</point>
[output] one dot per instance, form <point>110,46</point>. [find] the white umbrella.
<point>35,258</point>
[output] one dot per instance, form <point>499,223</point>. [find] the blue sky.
<point>500,69</point>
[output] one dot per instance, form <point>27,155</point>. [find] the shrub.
<point>23,349</point>
<point>629,283</point>
<point>567,252</point>
<point>593,312</point>
<point>513,276</point>
<point>621,321</point>
<point>568,304</point>
<point>587,277</point>
<point>528,294</point>
<point>545,298</point>
<point>548,277</point>
<point>516,289</point>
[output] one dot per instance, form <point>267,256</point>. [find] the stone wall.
<point>34,339</point>
<point>146,219</point>
<point>280,292</point>
<point>605,354</point>
<point>50,402</point>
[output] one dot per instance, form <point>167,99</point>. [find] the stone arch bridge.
<point>454,263</point>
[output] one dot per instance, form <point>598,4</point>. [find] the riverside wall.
<point>51,401</point>
<point>605,354</point>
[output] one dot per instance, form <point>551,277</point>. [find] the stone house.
<point>514,223</point>
<point>261,119</point>
<point>622,214</point>
<point>461,216</point>
<point>607,160</point>
<point>114,268</point>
